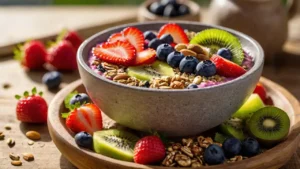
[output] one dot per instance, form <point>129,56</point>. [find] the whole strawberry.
<point>31,108</point>
<point>62,56</point>
<point>149,150</point>
<point>72,37</point>
<point>32,54</point>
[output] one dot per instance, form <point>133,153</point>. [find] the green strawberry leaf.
<point>67,100</point>
<point>34,91</point>
<point>41,94</point>
<point>18,53</point>
<point>65,115</point>
<point>26,94</point>
<point>62,35</point>
<point>18,97</point>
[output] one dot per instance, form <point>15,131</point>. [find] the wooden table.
<point>46,154</point>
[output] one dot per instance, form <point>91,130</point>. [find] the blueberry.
<point>52,79</point>
<point>149,35</point>
<point>146,84</point>
<point>192,86</point>
<point>183,10</point>
<point>84,139</point>
<point>167,38</point>
<point>157,8</point>
<point>232,147</point>
<point>101,68</point>
<point>154,43</point>
<point>250,147</point>
<point>225,53</point>
<point>81,98</point>
<point>214,155</point>
<point>174,59</point>
<point>206,68</point>
<point>170,11</point>
<point>169,2</point>
<point>188,64</point>
<point>163,51</point>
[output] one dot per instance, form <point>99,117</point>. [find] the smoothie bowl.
<point>178,78</point>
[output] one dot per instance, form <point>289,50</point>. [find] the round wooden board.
<point>86,159</point>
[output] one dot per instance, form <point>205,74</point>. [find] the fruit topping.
<point>192,86</point>
<point>167,38</point>
<point>169,8</point>
<point>216,39</point>
<point>71,36</point>
<point>175,31</point>
<point>206,68</point>
<point>52,79</point>
<point>188,64</point>
<point>269,125</point>
<point>232,147</point>
<point>227,68</point>
<point>145,57</point>
<point>163,51</point>
<point>250,147</point>
<point>115,143</point>
<point>234,128</point>
<point>149,35</point>
<point>170,11</point>
<point>149,150</point>
<point>85,118</point>
<point>116,37</point>
<point>183,10</point>
<point>261,91</point>
<point>31,108</point>
<point>157,8</point>
<point>225,53</point>
<point>174,59</point>
<point>84,139</point>
<point>214,155</point>
<point>154,43</point>
<point>80,98</point>
<point>135,38</point>
<point>119,52</point>
<point>220,138</point>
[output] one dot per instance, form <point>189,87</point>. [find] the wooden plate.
<point>86,159</point>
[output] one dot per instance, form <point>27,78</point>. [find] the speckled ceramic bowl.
<point>173,112</point>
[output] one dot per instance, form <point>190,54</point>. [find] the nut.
<point>180,46</point>
<point>28,156</point>
<point>187,151</point>
<point>197,80</point>
<point>197,150</point>
<point>169,160</point>
<point>33,135</point>
<point>121,76</point>
<point>183,160</point>
<point>16,163</point>
<point>177,85</point>
<point>30,142</point>
<point>1,135</point>
<point>14,157</point>
<point>204,142</point>
<point>196,164</point>
<point>196,48</point>
<point>202,57</point>
<point>187,52</point>
<point>187,142</point>
<point>7,127</point>
<point>10,142</point>
<point>176,146</point>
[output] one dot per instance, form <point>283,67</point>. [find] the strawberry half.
<point>118,52</point>
<point>145,57</point>
<point>116,37</point>
<point>175,31</point>
<point>227,68</point>
<point>135,37</point>
<point>261,91</point>
<point>85,118</point>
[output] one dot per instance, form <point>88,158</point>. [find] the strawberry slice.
<point>261,91</point>
<point>85,118</point>
<point>227,68</point>
<point>145,57</point>
<point>135,37</point>
<point>116,37</point>
<point>175,31</point>
<point>118,52</point>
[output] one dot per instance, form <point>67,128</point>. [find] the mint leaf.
<point>68,98</point>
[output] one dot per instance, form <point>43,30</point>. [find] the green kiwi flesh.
<point>233,127</point>
<point>253,104</point>
<point>214,39</point>
<point>147,72</point>
<point>220,138</point>
<point>269,125</point>
<point>115,143</point>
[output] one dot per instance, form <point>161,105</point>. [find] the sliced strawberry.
<point>85,118</point>
<point>116,37</point>
<point>135,37</point>
<point>118,52</point>
<point>261,91</point>
<point>227,68</point>
<point>145,57</point>
<point>173,44</point>
<point>175,31</point>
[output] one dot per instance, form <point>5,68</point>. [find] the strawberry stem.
<point>18,97</point>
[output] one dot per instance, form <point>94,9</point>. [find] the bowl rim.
<point>258,60</point>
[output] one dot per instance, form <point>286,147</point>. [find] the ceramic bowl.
<point>173,112</point>
<point>145,15</point>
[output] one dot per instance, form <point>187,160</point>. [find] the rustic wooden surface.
<point>285,71</point>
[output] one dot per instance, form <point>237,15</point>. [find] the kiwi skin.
<point>265,139</point>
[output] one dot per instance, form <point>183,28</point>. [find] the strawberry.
<point>32,54</point>
<point>148,150</point>
<point>145,57</point>
<point>71,36</point>
<point>261,91</point>
<point>62,56</point>
<point>119,52</point>
<point>227,68</point>
<point>175,31</point>
<point>116,37</point>
<point>85,118</point>
<point>135,37</point>
<point>31,108</point>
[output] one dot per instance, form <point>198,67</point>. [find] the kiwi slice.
<point>147,72</point>
<point>233,127</point>
<point>220,138</point>
<point>115,143</point>
<point>214,39</point>
<point>253,104</point>
<point>269,125</point>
